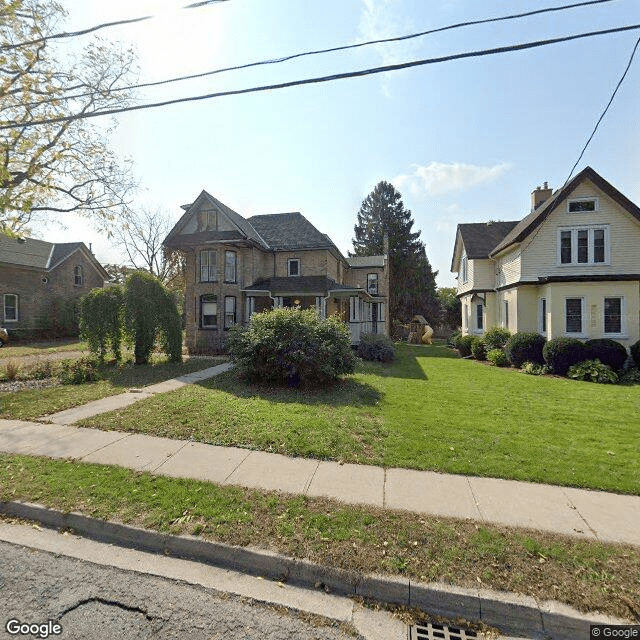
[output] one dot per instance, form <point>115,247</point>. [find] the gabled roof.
<point>539,215</point>
<point>38,254</point>
<point>480,238</point>
<point>290,231</point>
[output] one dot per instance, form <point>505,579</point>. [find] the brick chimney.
<point>540,195</point>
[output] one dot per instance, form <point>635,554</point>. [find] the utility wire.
<point>330,78</point>
<point>105,25</point>
<point>367,43</point>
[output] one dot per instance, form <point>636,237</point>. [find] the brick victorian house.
<point>34,273</point>
<point>238,266</point>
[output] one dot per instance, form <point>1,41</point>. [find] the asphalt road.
<point>92,601</point>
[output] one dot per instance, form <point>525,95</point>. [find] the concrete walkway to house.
<point>577,512</point>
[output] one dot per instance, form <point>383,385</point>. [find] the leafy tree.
<point>412,280</point>
<point>101,321</point>
<point>62,166</point>
<point>450,307</point>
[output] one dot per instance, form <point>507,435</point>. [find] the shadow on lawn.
<point>346,392</point>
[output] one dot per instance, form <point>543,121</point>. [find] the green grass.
<point>39,348</point>
<point>429,410</point>
<point>34,403</point>
<point>588,575</point>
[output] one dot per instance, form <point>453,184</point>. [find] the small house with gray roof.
<point>34,274</point>
<point>571,267</point>
<point>237,266</point>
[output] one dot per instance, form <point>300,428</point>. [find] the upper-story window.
<point>10,307</point>
<point>464,268</point>
<point>582,205</point>
<point>230,266</point>
<point>77,275</point>
<point>293,266</point>
<point>372,283</point>
<point>583,245</point>
<point>208,266</point>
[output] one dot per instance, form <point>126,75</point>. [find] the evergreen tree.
<point>412,282</point>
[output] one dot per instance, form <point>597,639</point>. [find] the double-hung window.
<point>10,307</point>
<point>372,283</point>
<point>293,267</point>
<point>209,312</point>
<point>77,275</point>
<point>479,317</point>
<point>574,315</point>
<point>613,316</point>
<point>542,324</point>
<point>208,266</point>
<point>229,311</point>
<point>583,245</point>
<point>230,261</point>
<point>464,268</point>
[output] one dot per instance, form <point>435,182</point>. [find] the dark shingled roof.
<point>301,284</point>
<point>293,231</point>
<point>63,250</point>
<point>202,237</point>
<point>480,238</point>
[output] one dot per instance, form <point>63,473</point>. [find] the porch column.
<point>277,302</point>
<point>250,307</point>
<point>319,306</point>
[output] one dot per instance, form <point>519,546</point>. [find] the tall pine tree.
<point>412,282</point>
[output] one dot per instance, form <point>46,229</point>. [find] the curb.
<point>512,614</point>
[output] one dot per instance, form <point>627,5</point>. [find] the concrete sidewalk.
<point>578,512</point>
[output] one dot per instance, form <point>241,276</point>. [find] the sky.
<point>463,141</point>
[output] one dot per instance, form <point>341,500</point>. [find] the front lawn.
<point>41,348</point>
<point>429,410</point>
<point>34,403</point>
<point>586,574</point>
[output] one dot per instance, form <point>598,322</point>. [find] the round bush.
<point>292,346</point>
<point>452,340</point>
<point>478,349</point>
<point>496,338</point>
<point>562,353</point>
<point>593,371</point>
<point>375,347</point>
<point>608,351</point>
<point>497,357</point>
<point>635,353</point>
<point>524,347</point>
<point>464,346</point>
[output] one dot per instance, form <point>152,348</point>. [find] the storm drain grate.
<point>434,631</point>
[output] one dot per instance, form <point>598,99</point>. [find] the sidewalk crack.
<point>313,475</point>
<point>384,488</point>
<point>475,499</point>
<point>185,443</point>
<point>237,466</point>
<point>573,506</point>
<point>104,446</point>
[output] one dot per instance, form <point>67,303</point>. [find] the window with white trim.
<point>479,316</point>
<point>230,262</point>
<point>10,307</point>
<point>208,266</point>
<point>542,318</point>
<point>209,311</point>
<point>574,315</point>
<point>229,311</point>
<point>372,283</point>
<point>78,279</point>
<point>464,268</point>
<point>293,267</point>
<point>613,316</point>
<point>582,205</point>
<point>583,245</point>
<point>506,314</point>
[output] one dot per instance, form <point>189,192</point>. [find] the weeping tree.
<point>101,321</point>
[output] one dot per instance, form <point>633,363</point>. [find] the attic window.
<point>77,275</point>
<point>583,205</point>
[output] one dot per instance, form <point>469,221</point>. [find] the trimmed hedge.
<point>464,346</point>
<point>497,357</point>
<point>376,347</point>
<point>292,346</point>
<point>524,347</point>
<point>478,349</point>
<point>608,351</point>
<point>496,338</point>
<point>635,353</point>
<point>562,353</point>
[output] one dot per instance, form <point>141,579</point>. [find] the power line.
<point>104,25</point>
<point>330,78</point>
<point>367,43</point>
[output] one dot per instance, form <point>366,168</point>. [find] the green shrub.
<point>101,321</point>
<point>592,371</point>
<point>11,370</point>
<point>524,347</point>
<point>79,371</point>
<point>292,346</point>
<point>535,369</point>
<point>496,338</point>
<point>42,370</point>
<point>375,347</point>
<point>608,351</point>
<point>150,311</point>
<point>562,353</point>
<point>452,340</point>
<point>478,348</point>
<point>632,376</point>
<point>635,353</point>
<point>464,346</point>
<point>497,357</point>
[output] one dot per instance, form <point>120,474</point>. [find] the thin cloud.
<point>438,178</point>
